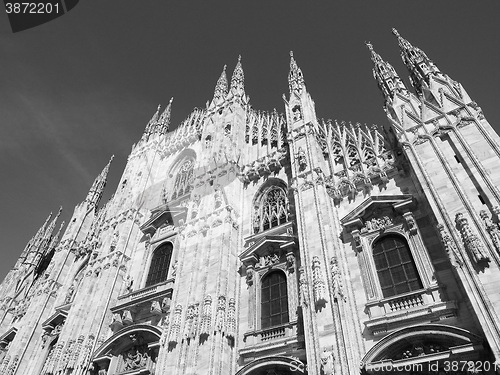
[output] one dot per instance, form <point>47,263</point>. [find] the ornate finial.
<point>395,32</point>
<point>221,87</point>
<point>291,53</point>
<point>369,45</point>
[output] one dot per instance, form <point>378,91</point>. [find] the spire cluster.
<point>419,66</point>
<point>235,88</point>
<point>159,124</point>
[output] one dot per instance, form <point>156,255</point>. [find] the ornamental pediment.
<point>163,216</point>
<point>267,246</point>
<point>57,318</point>
<point>377,212</point>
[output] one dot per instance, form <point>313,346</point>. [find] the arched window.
<point>160,262</point>
<point>395,266</point>
<point>271,210</point>
<point>274,300</point>
<point>183,180</point>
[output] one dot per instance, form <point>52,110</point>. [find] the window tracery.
<point>272,210</point>
<point>183,179</point>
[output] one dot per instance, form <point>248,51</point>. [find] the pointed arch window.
<point>160,263</point>
<point>395,266</point>
<point>272,210</point>
<point>274,300</point>
<point>183,180</point>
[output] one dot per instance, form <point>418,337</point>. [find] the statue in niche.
<point>297,113</point>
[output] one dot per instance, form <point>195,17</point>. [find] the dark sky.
<point>82,87</point>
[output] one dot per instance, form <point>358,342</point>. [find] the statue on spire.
<point>221,88</point>
<point>97,188</point>
<point>295,77</point>
<point>238,79</point>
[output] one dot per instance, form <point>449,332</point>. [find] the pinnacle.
<point>395,32</point>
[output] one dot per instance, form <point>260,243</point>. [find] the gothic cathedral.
<point>264,243</point>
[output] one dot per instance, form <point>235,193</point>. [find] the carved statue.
<point>69,294</point>
<point>174,269</point>
<point>249,276</point>
<point>135,358</point>
<point>327,362</point>
<point>129,282</point>
<point>290,262</point>
<point>301,159</point>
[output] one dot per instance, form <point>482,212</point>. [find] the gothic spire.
<point>152,124</point>
<point>164,120</point>
<point>238,79</point>
<point>56,237</point>
<point>417,62</point>
<point>387,79</point>
<point>220,91</point>
<point>97,188</point>
<point>295,78</point>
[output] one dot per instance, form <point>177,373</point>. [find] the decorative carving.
<point>378,223</point>
<point>290,262</point>
<point>249,275</point>
<point>127,317</point>
<point>175,327</point>
<point>218,197</point>
<point>470,240</point>
<point>116,322</point>
<point>301,159</point>
<point>318,283</point>
<point>492,229</point>
<point>195,206</point>
<point>114,241</point>
<point>327,362</point>
<point>304,294</point>
<point>338,287</point>
<point>69,293</point>
<point>410,223</point>
<point>129,282</point>
<point>449,246</point>
<point>269,260</point>
<point>155,308</point>
<point>135,357</point>
<point>231,318</point>
<point>191,324</point>
<point>173,272</point>
<point>206,316</point>
<point>220,316</point>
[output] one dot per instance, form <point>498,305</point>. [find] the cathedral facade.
<point>263,243</point>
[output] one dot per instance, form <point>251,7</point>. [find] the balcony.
<point>144,295</point>
<point>274,340</point>
<point>414,307</point>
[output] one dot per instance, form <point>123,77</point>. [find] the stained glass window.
<point>274,300</point>
<point>395,266</point>
<point>158,271</point>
